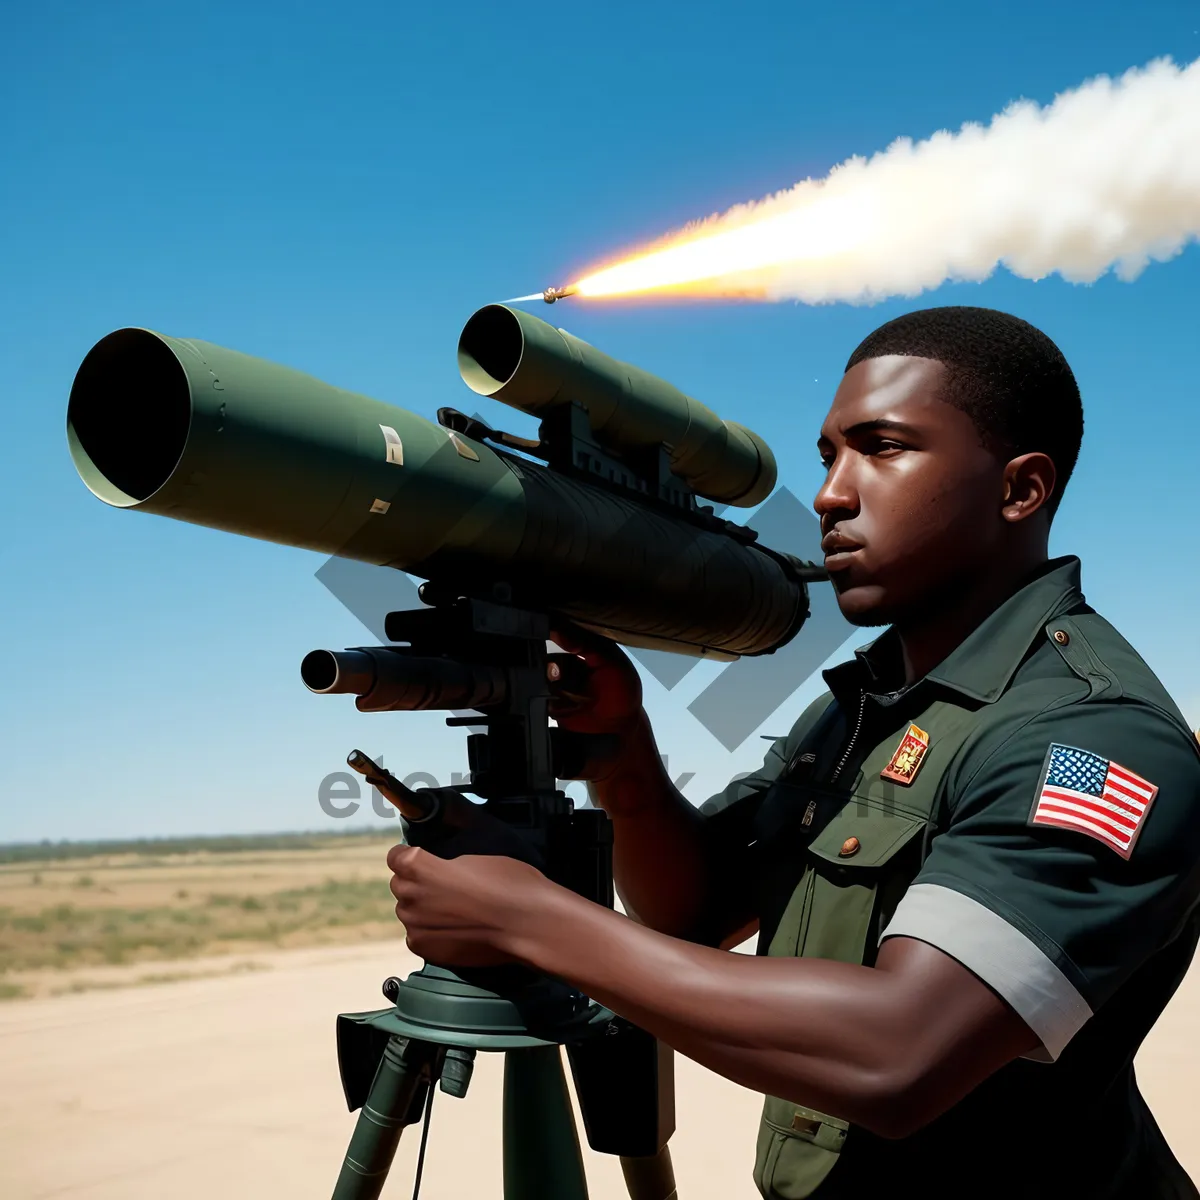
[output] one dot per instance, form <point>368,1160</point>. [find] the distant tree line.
<point>46,850</point>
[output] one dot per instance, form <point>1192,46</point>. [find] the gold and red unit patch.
<point>909,756</point>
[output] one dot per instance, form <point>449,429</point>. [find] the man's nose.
<point>838,493</point>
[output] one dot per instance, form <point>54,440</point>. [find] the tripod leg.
<point>396,1099</point>
<point>651,1178</point>
<point>542,1158</point>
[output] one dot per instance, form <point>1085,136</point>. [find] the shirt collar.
<point>982,666</point>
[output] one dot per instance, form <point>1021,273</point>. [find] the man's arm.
<point>852,1040</point>
<point>1035,905</point>
<point>663,864</point>
<point>660,860</point>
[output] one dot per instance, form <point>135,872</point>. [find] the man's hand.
<point>466,911</point>
<point>661,863</point>
<point>612,699</point>
<point>462,828</point>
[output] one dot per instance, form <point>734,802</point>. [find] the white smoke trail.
<point>1105,177</point>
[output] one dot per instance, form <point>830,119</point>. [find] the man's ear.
<point>1028,483</point>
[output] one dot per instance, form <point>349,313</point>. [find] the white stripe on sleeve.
<point>999,954</point>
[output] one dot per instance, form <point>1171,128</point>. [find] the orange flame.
<point>739,253</point>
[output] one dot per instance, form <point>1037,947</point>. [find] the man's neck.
<point>940,630</point>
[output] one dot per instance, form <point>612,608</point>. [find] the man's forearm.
<point>660,862</point>
<point>772,1025</point>
<point>838,1037</point>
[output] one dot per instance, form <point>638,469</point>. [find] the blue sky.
<point>337,188</point>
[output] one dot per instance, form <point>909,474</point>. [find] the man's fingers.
<point>560,706</point>
<point>569,675</point>
<point>568,635</point>
<point>593,648</point>
<point>400,858</point>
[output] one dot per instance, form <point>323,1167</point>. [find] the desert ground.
<point>159,1042</point>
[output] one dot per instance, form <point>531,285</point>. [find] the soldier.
<point>973,864</point>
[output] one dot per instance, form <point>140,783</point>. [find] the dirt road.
<point>227,1087</point>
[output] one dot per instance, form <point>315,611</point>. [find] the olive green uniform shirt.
<point>1060,864</point>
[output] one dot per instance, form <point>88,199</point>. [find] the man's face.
<point>911,504</point>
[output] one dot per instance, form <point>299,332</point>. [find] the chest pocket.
<point>857,868</point>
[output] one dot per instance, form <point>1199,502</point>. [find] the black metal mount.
<point>516,762</point>
<point>391,1059</point>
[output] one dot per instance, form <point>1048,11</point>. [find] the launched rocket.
<point>559,293</point>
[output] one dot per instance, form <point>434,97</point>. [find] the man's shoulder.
<point>1082,686</point>
<point>1100,646</point>
<point>1081,664</point>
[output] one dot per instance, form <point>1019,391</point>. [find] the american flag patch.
<point>1080,790</point>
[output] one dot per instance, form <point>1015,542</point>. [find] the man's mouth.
<point>838,550</point>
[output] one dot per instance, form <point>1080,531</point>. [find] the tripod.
<point>391,1059</point>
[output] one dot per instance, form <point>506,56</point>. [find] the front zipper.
<point>862,708</point>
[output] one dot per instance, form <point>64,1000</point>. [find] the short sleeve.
<point>748,787</point>
<point>728,833</point>
<point>729,830</point>
<point>1071,855</point>
<point>731,811</point>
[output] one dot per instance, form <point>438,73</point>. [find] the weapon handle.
<point>412,805</point>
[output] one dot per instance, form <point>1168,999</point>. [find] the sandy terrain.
<point>227,1086</point>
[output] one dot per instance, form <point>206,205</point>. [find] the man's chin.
<point>864,605</point>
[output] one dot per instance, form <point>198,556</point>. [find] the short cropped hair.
<point>1004,373</point>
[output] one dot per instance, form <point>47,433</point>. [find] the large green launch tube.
<point>189,430</point>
